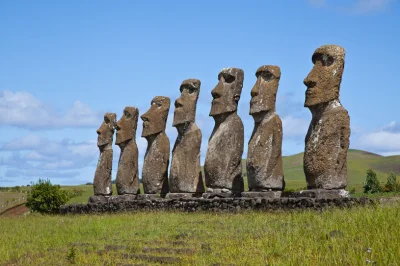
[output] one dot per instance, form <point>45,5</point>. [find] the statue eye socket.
<point>128,115</point>
<point>191,90</point>
<point>266,76</point>
<point>228,78</point>
<point>325,59</point>
<point>106,120</point>
<point>156,104</point>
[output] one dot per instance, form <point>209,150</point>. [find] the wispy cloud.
<point>32,155</point>
<point>22,109</point>
<point>353,6</point>
<point>384,140</point>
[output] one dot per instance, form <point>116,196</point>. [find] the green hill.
<point>358,162</point>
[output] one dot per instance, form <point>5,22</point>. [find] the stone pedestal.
<point>262,194</point>
<point>112,199</point>
<point>98,199</point>
<point>183,195</point>
<point>150,196</point>
<point>220,193</point>
<point>321,194</point>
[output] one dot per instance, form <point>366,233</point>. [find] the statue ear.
<point>236,97</point>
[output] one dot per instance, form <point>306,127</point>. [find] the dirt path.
<point>16,210</point>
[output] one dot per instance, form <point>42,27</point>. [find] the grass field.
<point>11,199</point>
<point>335,237</point>
<point>358,164</point>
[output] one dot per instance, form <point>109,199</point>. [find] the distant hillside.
<point>358,162</point>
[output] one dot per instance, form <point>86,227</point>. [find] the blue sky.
<point>63,64</point>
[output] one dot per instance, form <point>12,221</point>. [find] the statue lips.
<point>215,101</point>
<point>253,101</point>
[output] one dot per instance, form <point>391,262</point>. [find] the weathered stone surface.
<point>321,193</point>
<point>111,199</point>
<point>264,156</point>
<point>233,205</point>
<point>148,197</point>
<point>102,178</point>
<point>185,173</point>
<point>266,194</point>
<point>223,168</point>
<point>328,137</point>
<point>98,199</point>
<point>127,181</point>
<point>156,159</point>
<point>182,195</point>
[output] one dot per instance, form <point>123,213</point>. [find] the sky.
<point>63,64</point>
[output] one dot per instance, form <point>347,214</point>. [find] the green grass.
<point>13,199</point>
<point>335,237</point>
<point>358,162</point>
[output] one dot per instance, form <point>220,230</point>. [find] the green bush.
<point>45,197</point>
<point>75,192</point>
<point>371,184</point>
<point>391,184</point>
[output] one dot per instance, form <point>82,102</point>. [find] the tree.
<point>391,183</point>
<point>371,184</point>
<point>46,198</point>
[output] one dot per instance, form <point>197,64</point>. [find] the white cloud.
<point>380,141</point>
<point>294,127</point>
<point>317,3</point>
<point>22,109</point>
<point>366,6</point>
<point>354,6</point>
<point>43,157</point>
<point>384,140</point>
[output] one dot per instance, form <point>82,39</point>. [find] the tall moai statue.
<point>328,137</point>
<point>223,163</point>
<point>156,159</point>
<point>264,156</point>
<point>185,176</point>
<point>102,184</point>
<point>127,180</point>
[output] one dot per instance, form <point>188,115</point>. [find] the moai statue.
<point>264,156</point>
<point>156,159</point>
<point>223,163</point>
<point>127,176</point>
<point>185,178</point>
<point>102,185</point>
<point>327,140</point>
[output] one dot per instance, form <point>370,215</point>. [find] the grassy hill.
<point>358,162</point>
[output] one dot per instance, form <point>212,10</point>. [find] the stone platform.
<point>319,194</point>
<point>122,204</point>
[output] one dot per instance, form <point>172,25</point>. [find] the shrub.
<point>371,184</point>
<point>45,197</point>
<point>391,184</point>
<point>75,192</point>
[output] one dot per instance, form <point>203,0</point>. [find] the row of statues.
<point>326,143</point>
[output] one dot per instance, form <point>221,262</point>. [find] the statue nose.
<point>309,82</point>
<point>178,103</point>
<point>254,92</point>
<point>117,126</point>
<point>98,132</point>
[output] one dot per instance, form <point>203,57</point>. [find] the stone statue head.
<point>226,94</point>
<point>185,105</point>
<point>323,81</point>
<point>263,93</point>
<point>106,130</point>
<point>155,119</point>
<point>127,125</point>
